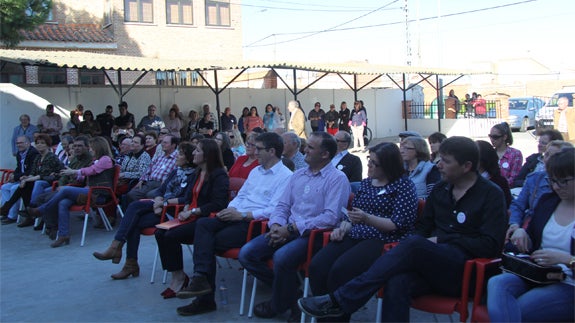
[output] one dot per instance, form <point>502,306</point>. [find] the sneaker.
<point>319,306</point>
<point>198,286</point>
<point>197,307</point>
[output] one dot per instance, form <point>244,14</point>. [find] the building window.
<point>139,11</point>
<point>51,75</point>
<point>12,73</point>
<point>107,13</point>
<point>179,12</point>
<point>91,77</point>
<point>180,78</point>
<point>218,13</point>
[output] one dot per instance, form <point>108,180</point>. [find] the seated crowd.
<point>163,173</point>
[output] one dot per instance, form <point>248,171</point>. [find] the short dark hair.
<point>142,138</point>
<point>436,137</point>
<point>187,148</point>
<point>390,160</point>
<point>174,140</point>
<point>506,131</point>
<point>552,134</point>
<point>83,139</point>
<point>462,149</point>
<point>44,137</point>
<point>212,154</point>
<point>152,134</point>
<point>328,143</point>
<point>561,164</point>
<point>272,140</point>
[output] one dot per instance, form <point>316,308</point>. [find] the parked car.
<point>544,118</point>
<point>522,112</point>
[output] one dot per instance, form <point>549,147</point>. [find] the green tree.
<point>17,15</point>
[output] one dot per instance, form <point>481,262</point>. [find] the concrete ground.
<point>67,284</point>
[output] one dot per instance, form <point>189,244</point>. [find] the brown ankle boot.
<point>130,268</point>
<point>113,252</point>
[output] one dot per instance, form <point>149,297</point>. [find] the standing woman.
<point>174,122</point>
<point>435,140</point>
<point>269,118</point>
<point>244,164</point>
<point>241,128</point>
<point>210,184</point>
<point>223,142</point>
<point>549,239</point>
<point>146,213</point>
<point>100,173</point>
<point>357,121</point>
<point>384,211</point>
<point>89,126</point>
<point>420,170</point>
<point>510,159</point>
<point>253,121</point>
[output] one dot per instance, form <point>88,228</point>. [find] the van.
<point>544,118</point>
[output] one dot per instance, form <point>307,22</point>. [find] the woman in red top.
<point>244,164</point>
<point>253,121</point>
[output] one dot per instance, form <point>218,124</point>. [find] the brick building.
<point>170,29</point>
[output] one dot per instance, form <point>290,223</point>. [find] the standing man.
<point>349,164</point>
<point>464,218</point>
<point>24,129</point>
<point>51,124</point>
<point>126,119</point>
<point>106,121</point>
<point>158,171</point>
<point>257,200</point>
<point>312,199</point>
<point>25,156</point>
<point>331,120</point>
<point>315,117</point>
<point>228,120</point>
<point>344,114</point>
<point>151,122</point>
<point>292,144</point>
<point>564,119</point>
<point>297,119</point>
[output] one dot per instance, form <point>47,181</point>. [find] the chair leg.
<point>120,210</point>
<point>86,215</point>
<point>164,279</point>
<point>252,299</point>
<point>105,220</point>
<point>243,296</point>
<point>154,265</point>
<point>378,313</point>
<point>305,292</point>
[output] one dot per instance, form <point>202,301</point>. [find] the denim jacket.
<point>522,207</point>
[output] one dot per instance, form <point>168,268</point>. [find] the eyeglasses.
<point>249,144</point>
<point>559,182</point>
<point>163,133</point>
<point>261,148</point>
<point>405,147</point>
<point>495,137</point>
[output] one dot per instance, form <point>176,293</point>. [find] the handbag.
<point>522,266</point>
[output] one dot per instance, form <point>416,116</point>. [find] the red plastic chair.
<point>485,268</point>
<point>5,175</point>
<point>86,208</point>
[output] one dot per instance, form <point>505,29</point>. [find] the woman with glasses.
<point>534,163</point>
<point>549,240</point>
<point>223,142</point>
<point>384,210</point>
<point>89,126</point>
<point>510,159</point>
<point>416,158</point>
<point>244,164</point>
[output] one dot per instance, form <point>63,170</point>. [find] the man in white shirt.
<point>256,199</point>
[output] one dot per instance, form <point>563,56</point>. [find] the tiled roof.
<point>83,33</point>
<point>90,60</point>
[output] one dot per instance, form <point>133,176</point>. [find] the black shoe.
<point>197,307</point>
<point>52,233</point>
<point>265,310</point>
<point>26,223</point>
<point>7,220</point>
<point>39,227</point>
<point>23,213</point>
<point>295,315</point>
<point>319,306</point>
<point>198,286</point>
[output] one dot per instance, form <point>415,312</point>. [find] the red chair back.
<point>4,178</point>
<point>236,184</point>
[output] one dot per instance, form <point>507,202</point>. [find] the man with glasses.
<point>256,200</point>
<point>313,199</point>
<point>24,159</point>
<point>348,163</point>
<point>464,218</point>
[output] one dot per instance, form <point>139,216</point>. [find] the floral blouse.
<point>47,167</point>
<point>396,201</point>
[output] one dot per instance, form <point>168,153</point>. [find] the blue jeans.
<point>415,267</point>
<point>8,190</point>
<point>283,277</point>
<point>61,203</point>
<point>513,299</point>
<point>138,216</point>
<point>39,187</point>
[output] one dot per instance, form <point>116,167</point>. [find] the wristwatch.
<point>193,211</point>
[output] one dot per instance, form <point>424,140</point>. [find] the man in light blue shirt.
<point>151,122</point>
<point>292,144</point>
<point>313,199</point>
<point>256,200</point>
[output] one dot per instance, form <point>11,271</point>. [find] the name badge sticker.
<point>461,217</point>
